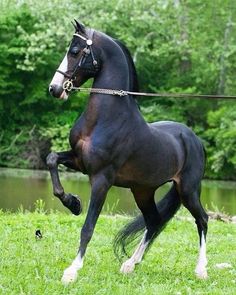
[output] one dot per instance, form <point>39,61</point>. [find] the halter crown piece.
<point>68,84</point>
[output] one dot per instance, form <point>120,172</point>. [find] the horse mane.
<point>134,84</point>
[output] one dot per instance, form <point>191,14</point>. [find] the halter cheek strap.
<point>89,43</point>
<point>88,49</point>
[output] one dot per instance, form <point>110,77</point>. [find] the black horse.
<point>113,145</point>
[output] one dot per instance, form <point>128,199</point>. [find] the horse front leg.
<point>68,159</point>
<point>100,186</point>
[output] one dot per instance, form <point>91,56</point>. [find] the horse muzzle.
<point>58,91</point>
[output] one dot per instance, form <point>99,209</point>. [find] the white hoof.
<point>127,267</point>
<point>69,276</point>
<point>201,273</point>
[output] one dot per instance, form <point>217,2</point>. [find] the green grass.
<point>32,267</point>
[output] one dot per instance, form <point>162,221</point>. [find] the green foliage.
<point>40,206</point>
<point>26,149</point>
<point>178,46</point>
<point>221,136</point>
<point>58,136</point>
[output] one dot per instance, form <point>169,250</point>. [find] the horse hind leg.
<point>67,158</point>
<point>129,265</point>
<point>192,202</point>
<point>155,217</point>
<point>146,204</point>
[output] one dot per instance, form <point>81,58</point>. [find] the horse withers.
<point>113,145</point>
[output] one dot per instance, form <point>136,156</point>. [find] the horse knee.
<point>52,160</point>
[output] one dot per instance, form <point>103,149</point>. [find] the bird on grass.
<point>38,234</point>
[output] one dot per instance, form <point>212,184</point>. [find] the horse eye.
<point>74,50</point>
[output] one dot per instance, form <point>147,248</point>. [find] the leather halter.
<point>68,84</point>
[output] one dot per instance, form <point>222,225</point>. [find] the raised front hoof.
<point>73,203</point>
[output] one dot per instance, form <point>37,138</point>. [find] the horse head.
<point>80,63</point>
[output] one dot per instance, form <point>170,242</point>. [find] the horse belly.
<point>147,174</point>
<point>153,164</point>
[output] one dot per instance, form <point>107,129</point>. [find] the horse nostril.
<point>55,90</point>
<point>50,89</point>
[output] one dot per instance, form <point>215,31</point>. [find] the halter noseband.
<point>68,84</point>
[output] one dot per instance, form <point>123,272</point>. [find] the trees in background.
<point>177,45</point>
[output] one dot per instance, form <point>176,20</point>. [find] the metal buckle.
<point>68,85</point>
<point>89,42</point>
<point>120,93</point>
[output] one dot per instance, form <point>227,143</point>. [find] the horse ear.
<point>74,25</point>
<point>79,27</point>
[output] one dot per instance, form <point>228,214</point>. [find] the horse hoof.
<point>201,273</point>
<point>127,267</point>
<point>74,204</point>
<point>69,276</point>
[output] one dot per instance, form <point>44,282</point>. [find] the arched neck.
<point>114,74</point>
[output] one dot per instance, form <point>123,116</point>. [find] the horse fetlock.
<point>73,203</point>
<point>52,160</point>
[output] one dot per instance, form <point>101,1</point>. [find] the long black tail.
<point>166,208</point>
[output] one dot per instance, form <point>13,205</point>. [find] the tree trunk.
<point>223,68</point>
<point>185,59</point>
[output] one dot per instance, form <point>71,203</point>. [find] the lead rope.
<point>123,93</point>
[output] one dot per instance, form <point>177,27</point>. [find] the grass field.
<point>33,267</point>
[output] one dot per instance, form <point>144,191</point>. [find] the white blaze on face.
<point>58,79</point>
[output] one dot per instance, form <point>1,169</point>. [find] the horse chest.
<point>84,146</point>
<point>93,156</point>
